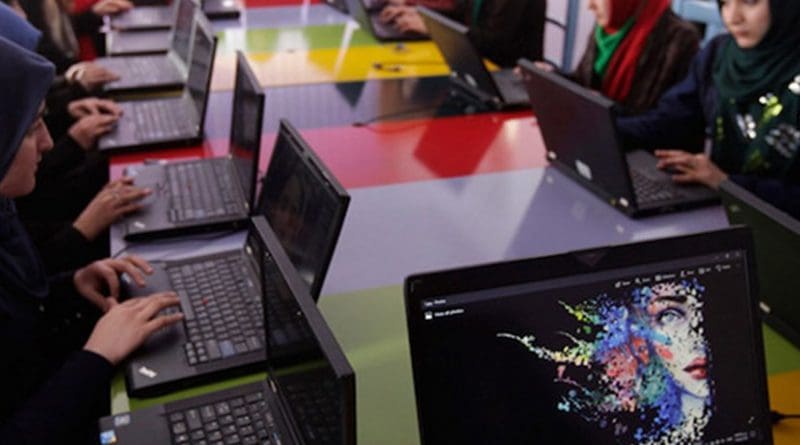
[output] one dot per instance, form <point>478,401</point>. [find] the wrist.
<point>86,229</point>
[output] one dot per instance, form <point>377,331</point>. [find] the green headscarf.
<point>607,45</point>
<point>759,98</point>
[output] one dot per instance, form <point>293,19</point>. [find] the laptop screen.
<point>312,391</point>
<point>201,65</point>
<point>304,206</point>
<point>182,31</point>
<point>248,104</point>
<point>659,353</point>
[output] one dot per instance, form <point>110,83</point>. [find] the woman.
<point>502,30</point>
<point>638,50</point>
<point>54,381</point>
<point>637,361</point>
<point>744,91</point>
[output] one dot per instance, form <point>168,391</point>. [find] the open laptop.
<point>305,205</point>
<point>578,127</point>
<point>777,244</point>
<point>654,342</point>
<point>312,403</point>
<point>310,248</point>
<point>154,72</point>
<point>173,120</point>
<point>367,14</point>
<point>205,194</point>
<point>142,18</point>
<point>499,89</point>
<point>222,9</point>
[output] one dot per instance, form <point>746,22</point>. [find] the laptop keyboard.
<point>224,318</point>
<point>244,420</point>
<point>157,69</point>
<point>648,190</point>
<point>158,120</point>
<point>201,190</point>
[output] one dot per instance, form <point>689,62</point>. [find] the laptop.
<point>312,403</point>
<point>205,194</point>
<point>154,72</point>
<point>578,127</point>
<point>171,120</point>
<point>777,244</point>
<point>339,5</point>
<point>654,342</point>
<point>309,249</point>
<point>304,204</point>
<point>137,43</point>
<point>142,18</point>
<point>499,89</point>
<point>222,9</point>
<point>367,14</point>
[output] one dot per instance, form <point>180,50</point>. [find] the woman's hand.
<point>114,200</point>
<point>99,281</point>
<point>93,105</point>
<point>110,7</point>
<point>90,127</point>
<point>391,12</point>
<point>690,168</point>
<point>410,22</point>
<point>127,325</point>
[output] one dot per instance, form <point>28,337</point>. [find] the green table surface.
<point>370,326</point>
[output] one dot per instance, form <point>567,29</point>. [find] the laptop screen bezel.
<point>327,342</point>
<point>201,24</point>
<point>243,67</point>
<point>420,287</point>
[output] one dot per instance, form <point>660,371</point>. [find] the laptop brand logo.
<point>147,372</point>
<point>583,169</point>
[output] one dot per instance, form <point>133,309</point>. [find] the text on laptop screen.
<point>299,207</point>
<point>182,32</point>
<point>311,390</point>
<point>246,129</point>
<point>200,69</point>
<point>656,354</point>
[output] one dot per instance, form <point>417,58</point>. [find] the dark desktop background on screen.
<point>593,363</point>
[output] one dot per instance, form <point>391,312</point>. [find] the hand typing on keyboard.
<point>116,199</point>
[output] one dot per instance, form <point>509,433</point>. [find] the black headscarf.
<point>25,78</point>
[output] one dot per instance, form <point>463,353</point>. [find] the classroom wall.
<point>554,36</point>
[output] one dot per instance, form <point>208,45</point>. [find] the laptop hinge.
<point>590,258</point>
<point>474,94</point>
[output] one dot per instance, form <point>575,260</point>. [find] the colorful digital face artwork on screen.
<point>636,364</point>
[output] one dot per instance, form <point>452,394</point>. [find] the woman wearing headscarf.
<point>72,204</point>
<point>743,90</point>
<point>639,49</point>
<point>54,376</point>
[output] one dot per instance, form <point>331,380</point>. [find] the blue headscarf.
<point>18,30</point>
<point>25,78</point>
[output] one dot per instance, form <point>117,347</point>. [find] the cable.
<point>777,417</point>
<point>380,117</point>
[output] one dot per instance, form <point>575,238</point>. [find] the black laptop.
<point>171,120</point>
<point>309,240</point>
<point>205,194</point>
<point>156,72</point>
<point>777,241</point>
<point>578,128</point>
<point>650,343</point>
<point>141,18</point>
<point>500,89</point>
<point>312,403</point>
<point>222,9</point>
<point>367,14</point>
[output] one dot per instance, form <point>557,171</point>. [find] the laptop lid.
<point>198,83</point>
<point>326,360</point>
<point>577,125</point>
<point>657,342</point>
<point>777,244</point>
<point>245,139</point>
<point>466,65</point>
<point>304,204</point>
<point>181,36</point>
